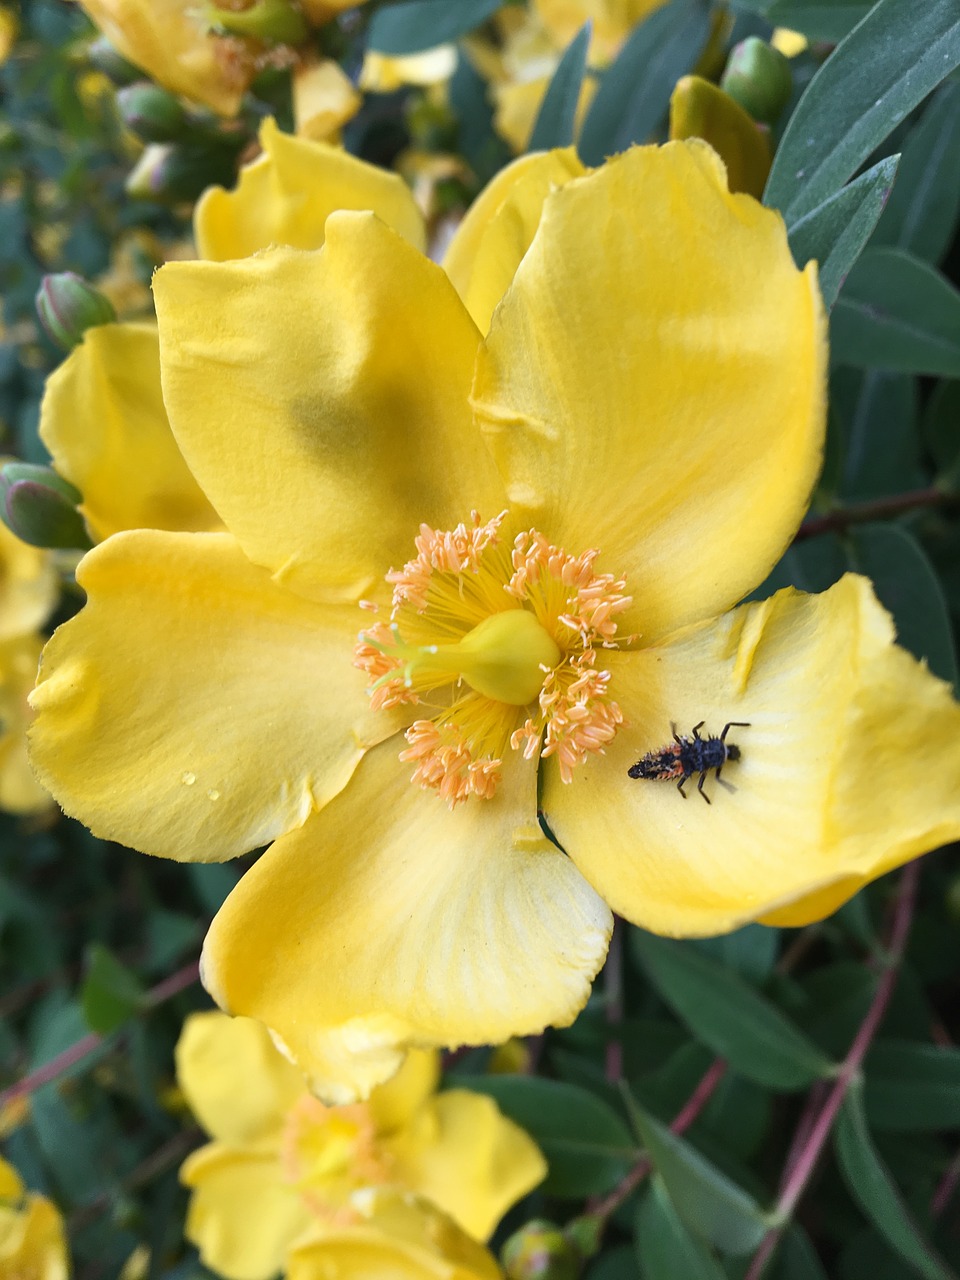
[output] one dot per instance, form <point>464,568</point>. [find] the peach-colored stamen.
<point>456,551</point>
<point>368,657</point>
<point>446,764</point>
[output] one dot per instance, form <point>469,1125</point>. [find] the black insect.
<point>684,757</point>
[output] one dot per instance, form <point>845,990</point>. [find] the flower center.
<point>482,627</point>
<point>327,1153</point>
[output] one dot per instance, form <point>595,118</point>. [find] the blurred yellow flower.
<point>9,28</point>
<point>282,1165</point>
<point>32,1243</point>
<point>637,433</point>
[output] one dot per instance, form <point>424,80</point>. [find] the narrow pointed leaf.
<point>416,25</point>
<point>665,1247</point>
<point>727,1015</point>
<point>558,111</point>
<point>911,1087</point>
<point>888,64</point>
<point>829,20</point>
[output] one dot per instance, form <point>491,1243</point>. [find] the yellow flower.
<point>9,28</point>
<point>397,1236</point>
<point>283,1164</point>
<point>639,431</point>
<point>32,1244</point>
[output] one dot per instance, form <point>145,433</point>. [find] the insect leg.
<point>673,730</point>
<point>734,724</point>
<point>680,786</point>
<point>703,777</point>
<point>696,730</point>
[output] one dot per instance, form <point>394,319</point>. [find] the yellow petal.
<point>461,1154</point>
<point>612,20</point>
<point>169,40</point>
<point>20,792</point>
<point>28,585</point>
<point>193,708</point>
<point>242,1217</point>
<point>788,42</point>
<point>389,919</point>
<point>823,799</point>
<point>324,99</point>
<point>235,1080</point>
<point>104,422</point>
<point>653,382</point>
<point>698,109</point>
<point>396,1237</point>
<point>32,1242</point>
<point>496,232</point>
<point>393,1103</point>
<point>286,195</point>
<point>385,73</point>
<point>321,400</point>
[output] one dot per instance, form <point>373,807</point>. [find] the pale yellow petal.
<point>324,99</point>
<point>385,73</point>
<point>104,422</point>
<point>699,109</point>
<point>193,708</point>
<point>321,400</point>
<point>28,586</point>
<point>285,196</point>
<point>20,792</point>
<point>395,921</point>
<point>653,382</point>
<point>394,1103</point>
<point>821,799</point>
<point>235,1080</point>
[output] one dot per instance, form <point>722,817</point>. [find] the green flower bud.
<point>758,77</point>
<point>276,21</point>
<point>68,306</point>
<point>171,173</point>
<point>40,507</point>
<point>540,1251</point>
<point>152,113</point>
<point>102,55</point>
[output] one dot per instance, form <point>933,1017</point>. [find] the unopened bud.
<point>759,78</point>
<point>40,507</point>
<point>152,113</point>
<point>170,173</point>
<point>540,1251</point>
<point>68,306</point>
<point>276,21</point>
<point>102,55</point>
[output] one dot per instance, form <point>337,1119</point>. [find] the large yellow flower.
<point>639,432</point>
<point>32,1243</point>
<point>282,1164</point>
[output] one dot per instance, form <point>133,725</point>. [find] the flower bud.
<point>758,77</point>
<point>40,507</point>
<point>102,55</point>
<point>152,113</point>
<point>540,1251</point>
<point>68,306</point>
<point>170,173</point>
<point>276,21</point>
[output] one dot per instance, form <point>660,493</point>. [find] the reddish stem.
<point>83,1047</point>
<point>798,1176</point>
<point>946,1187</point>
<point>880,509</point>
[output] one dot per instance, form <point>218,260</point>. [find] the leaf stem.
<point>877,509</point>
<point>798,1173</point>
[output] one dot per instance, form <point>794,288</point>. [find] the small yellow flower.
<point>282,1165</point>
<point>32,1243</point>
<point>638,422</point>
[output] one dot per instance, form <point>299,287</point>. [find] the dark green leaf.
<point>616,1264</point>
<point>751,951</point>
<point>635,92</point>
<point>879,411</point>
<point>941,431</point>
<point>664,1246</point>
<point>871,1186</point>
<point>907,585</point>
<point>728,1015</point>
<point>555,120</point>
<point>829,20</point>
<point>836,231</point>
<point>587,1145</point>
<point>898,313</point>
<point>888,63</point>
<point>796,1258</point>
<point>111,993</point>
<point>922,211</point>
<point>421,24</point>
<point>711,1205</point>
<point>912,1087</point>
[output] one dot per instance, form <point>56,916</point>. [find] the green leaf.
<point>873,1189</point>
<point>796,1258</point>
<point>587,1145</point>
<point>711,1205</point>
<point>836,231</point>
<point>941,432</point>
<point>664,1246</point>
<point>729,1016</point>
<point>750,952</point>
<point>829,20</point>
<point>882,448</point>
<point>888,63</point>
<point>922,212</point>
<point>634,93</point>
<point>416,25</point>
<point>111,993</point>
<point>912,1087</point>
<point>908,586</point>
<point>615,1264</point>
<point>898,313</point>
<point>555,120</point>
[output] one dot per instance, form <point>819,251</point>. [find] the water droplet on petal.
<point>213,795</point>
<point>188,779</point>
